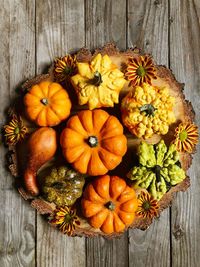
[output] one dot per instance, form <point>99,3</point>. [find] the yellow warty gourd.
<point>148,110</point>
<point>98,82</point>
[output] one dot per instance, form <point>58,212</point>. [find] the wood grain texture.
<point>106,22</point>
<point>60,28</point>
<point>148,27</point>
<point>17,219</point>
<point>168,29</point>
<point>145,21</point>
<point>185,63</point>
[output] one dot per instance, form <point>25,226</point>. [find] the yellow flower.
<point>186,137</point>
<point>147,206</point>
<point>140,69</point>
<point>64,67</point>
<point>65,219</point>
<point>15,130</point>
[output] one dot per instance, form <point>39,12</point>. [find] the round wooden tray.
<point>183,112</point>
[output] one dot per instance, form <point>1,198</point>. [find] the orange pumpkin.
<point>47,103</point>
<point>109,204</point>
<point>93,142</point>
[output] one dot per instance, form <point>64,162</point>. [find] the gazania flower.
<point>140,70</point>
<point>15,130</point>
<point>147,206</point>
<point>65,219</point>
<point>186,137</point>
<point>64,67</point>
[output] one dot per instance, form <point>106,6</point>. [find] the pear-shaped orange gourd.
<point>41,148</point>
<point>109,204</point>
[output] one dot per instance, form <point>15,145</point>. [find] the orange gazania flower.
<point>64,67</point>
<point>186,137</point>
<point>147,206</point>
<point>15,130</point>
<point>65,219</point>
<point>140,70</point>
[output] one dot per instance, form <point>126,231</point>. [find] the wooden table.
<point>33,32</point>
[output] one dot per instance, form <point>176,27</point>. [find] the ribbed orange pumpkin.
<point>109,204</point>
<point>47,103</point>
<point>93,142</point>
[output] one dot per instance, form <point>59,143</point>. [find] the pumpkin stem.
<point>148,109</point>
<point>92,141</point>
<point>44,101</point>
<point>97,80</point>
<point>110,205</point>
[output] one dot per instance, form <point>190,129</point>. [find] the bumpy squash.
<point>98,82</point>
<point>109,204</point>
<point>93,142</point>
<point>159,168</point>
<point>47,103</point>
<point>148,110</point>
<point>63,186</point>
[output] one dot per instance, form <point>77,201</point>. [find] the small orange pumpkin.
<point>93,142</point>
<point>109,204</point>
<point>47,103</point>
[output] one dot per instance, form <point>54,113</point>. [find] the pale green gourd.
<point>158,170</point>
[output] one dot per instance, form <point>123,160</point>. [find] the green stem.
<point>157,170</point>
<point>44,101</point>
<point>110,205</point>
<point>148,109</point>
<point>97,80</point>
<point>92,141</point>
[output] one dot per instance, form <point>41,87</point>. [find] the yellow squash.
<point>148,110</point>
<point>98,82</point>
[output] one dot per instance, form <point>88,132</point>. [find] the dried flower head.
<point>186,137</point>
<point>147,206</point>
<point>140,70</point>
<point>15,130</point>
<point>65,219</point>
<point>64,67</point>
<point>136,50</point>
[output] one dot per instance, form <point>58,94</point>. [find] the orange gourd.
<point>41,148</point>
<point>109,204</point>
<point>93,142</point>
<point>47,103</point>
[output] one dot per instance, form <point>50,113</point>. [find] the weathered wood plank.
<point>106,22</point>
<point>102,252</point>
<point>151,247</point>
<point>148,29</point>
<point>185,63</point>
<point>17,54</point>
<point>60,28</point>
